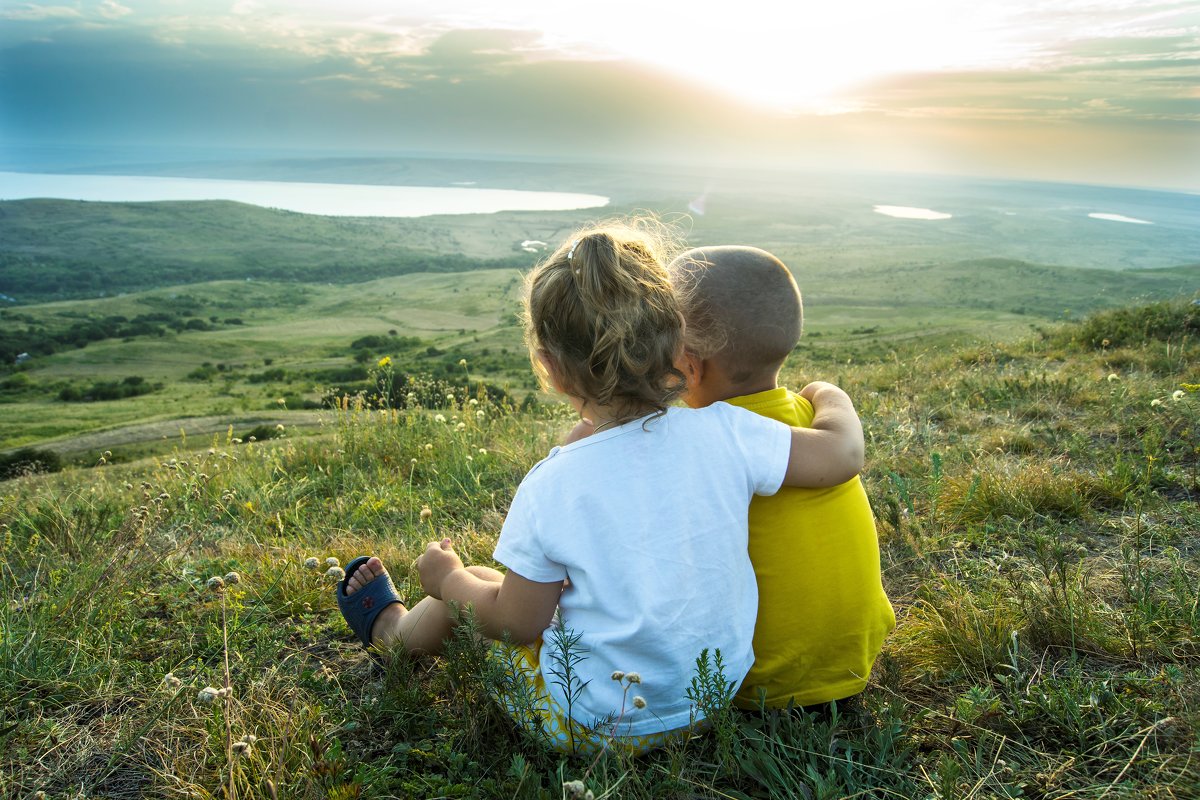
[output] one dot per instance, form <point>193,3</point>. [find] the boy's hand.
<point>438,561</point>
<point>584,429</point>
<point>812,390</point>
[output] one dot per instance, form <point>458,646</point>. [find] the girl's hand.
<point>438,561</point>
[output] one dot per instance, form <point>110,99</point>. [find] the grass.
<point>1036,505</point>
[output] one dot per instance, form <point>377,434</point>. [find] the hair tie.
<point>571,252</point>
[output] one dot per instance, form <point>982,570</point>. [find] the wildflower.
<point>386,361</point>
<point>462,426</point>
<point>470,459</point>
<point>332,562</point>
<point>1177,395</point>
<point>411,398</point>
<point>253,439</point>
<point>639,701</point>
<point>311,562</point>
<point>208,694</point>
<point>450,397</point>
<point>426,513</point>
<point>428,446</point>
<point>107,454</point>
<point>618,676</point>
<point>281,401</point>
<point>240,747</point>
<point>232,578</point>
<point>483,451</point>
<point>215,583</point>
<point>573,789</point>
<point>335,573</point>
<point>280,427</point>
<point>633,677</point>
<point>129,487</point>
<point>1113,377</point>
<point>412,461</point>
<point>478,415</point>
<point>440,418</point>
<point>250,738</point>
<point>1105,343</point>
<point>473,401</point>
<point>248,505</point>
<point>462,362</point>
<point>171,682</point>
<point>1156,402</point>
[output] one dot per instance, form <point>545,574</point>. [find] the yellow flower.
<point>462,362</point>
<point>386,361</point>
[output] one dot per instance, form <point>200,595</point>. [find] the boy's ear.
<point>692,367</point>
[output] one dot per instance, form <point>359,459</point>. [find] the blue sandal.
<point>361,608</point>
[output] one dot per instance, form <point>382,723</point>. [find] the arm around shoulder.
<point>832,451</point>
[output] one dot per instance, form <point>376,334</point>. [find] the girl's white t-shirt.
<point>648,523</point>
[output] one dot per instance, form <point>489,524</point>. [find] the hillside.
<point>1036,506</point>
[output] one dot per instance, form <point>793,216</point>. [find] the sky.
<point>1089,91</point>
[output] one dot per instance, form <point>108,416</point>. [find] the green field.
<point>1036,505</point>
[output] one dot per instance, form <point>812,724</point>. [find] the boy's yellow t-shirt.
<point>822,610</point>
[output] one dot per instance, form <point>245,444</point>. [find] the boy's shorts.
<point>523,695</point>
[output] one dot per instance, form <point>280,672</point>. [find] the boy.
<point>823,612</point>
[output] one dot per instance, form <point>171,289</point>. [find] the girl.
<point>636,534</point>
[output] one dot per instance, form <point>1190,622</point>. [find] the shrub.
<point>27,461</point>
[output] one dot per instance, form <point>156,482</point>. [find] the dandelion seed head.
<point>639,701</point>
<point>240,747</point>
<point>311,562</point>
<point>474,401</point>
<point>462,426</point>
<point>171,682</point>
<point>426,513</point>
<point>335,573</point>
<point>450,397</point>
<point>250,738</point>
<point>478,415</point>
<point>412,461</point>
<point>215,583</point>
<point>573,788</point>
<point>483,451</point>
<point>428,446</point>
<point>208,694</point>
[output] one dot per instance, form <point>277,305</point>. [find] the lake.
<point>325,199</point>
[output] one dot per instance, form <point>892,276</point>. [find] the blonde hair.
<point>603,308</point>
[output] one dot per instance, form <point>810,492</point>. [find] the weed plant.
<point>1036,505</point>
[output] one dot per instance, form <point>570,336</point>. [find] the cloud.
<point>32,13</point>
<point>110,9</point>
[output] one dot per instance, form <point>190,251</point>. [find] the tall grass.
<point>1038,524</point>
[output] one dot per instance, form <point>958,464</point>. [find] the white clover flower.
<point>312,562</point>
<point>335,573</point>
<point>208,694</point>
<point>332,562</point>
<point>639,701</point>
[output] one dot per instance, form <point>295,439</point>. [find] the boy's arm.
<point>516,606</point>
<point>831,452</point>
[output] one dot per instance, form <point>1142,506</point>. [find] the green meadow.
<point>232,392</point>
<point>1036,509</point>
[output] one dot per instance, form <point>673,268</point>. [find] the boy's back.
<point>822,610</point>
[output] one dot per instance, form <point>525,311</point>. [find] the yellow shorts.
<point>523,695</point>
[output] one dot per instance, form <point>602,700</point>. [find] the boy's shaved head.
<point>743,308</point>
